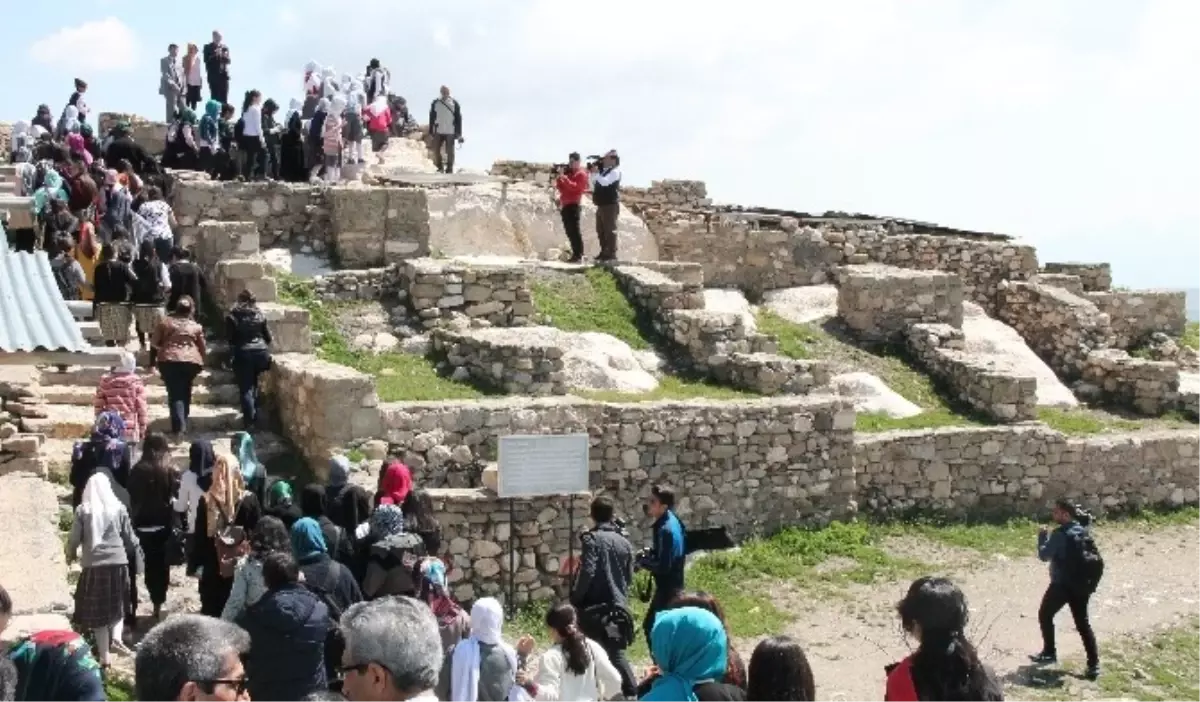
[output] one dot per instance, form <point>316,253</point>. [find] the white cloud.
<point>441,35</point>
<point>288,17</point>
<point>97,46</point>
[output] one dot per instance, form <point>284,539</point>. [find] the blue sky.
<point>1069,123</point>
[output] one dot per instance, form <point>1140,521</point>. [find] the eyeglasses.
<point>238,685</point>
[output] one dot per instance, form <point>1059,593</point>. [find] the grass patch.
<point>398,376</point>
<point>1191,335</point>
<point>795,340</point>
<point>589,302</point>
<point>66,520</point>
<point>672,387</point>
<point>118,688</point>
<point>1083,422</point>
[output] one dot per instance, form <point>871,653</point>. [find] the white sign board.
<point>542,464</point>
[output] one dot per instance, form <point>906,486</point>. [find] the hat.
<point>573,156</point>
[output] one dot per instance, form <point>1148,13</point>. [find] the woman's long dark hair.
<point>270,536</point>
<point>561,618</point>
<point>705,601</point>
<point>156,456</point>
<point>249,99</point>
<point>945,666</point>
<point>418,510</point>
<point>779,670</point>
<point>1077,512</point>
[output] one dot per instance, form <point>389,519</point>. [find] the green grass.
<point>398,376</point>
<point>589,302</point>
<point>1083,422</point>
<point>119,688</point>
<point>1191,335</point>
<point>795,340</point>
<point>671,387</point>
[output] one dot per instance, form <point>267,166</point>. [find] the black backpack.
<point>1084,564</point>
<point>61,267</point>
<point>324,591</point>
<point>393,566</point>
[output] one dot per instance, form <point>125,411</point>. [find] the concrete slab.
<point>32,561</point>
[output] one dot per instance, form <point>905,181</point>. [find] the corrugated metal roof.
<point>33,314</point>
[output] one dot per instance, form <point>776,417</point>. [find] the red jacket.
<point>900,686</point>
<point>125,393</point>
<point>571,186</point>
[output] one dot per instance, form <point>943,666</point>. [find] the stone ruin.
<point>456,258</point>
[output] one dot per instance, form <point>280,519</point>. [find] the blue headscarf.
<point>307,540</point>
<point>52,187</point>
<point>108,434</point>
<point>689,645</point>
<point>243,446</point>
<point>209,123</point>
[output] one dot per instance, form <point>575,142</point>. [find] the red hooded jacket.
<point>572,186</point>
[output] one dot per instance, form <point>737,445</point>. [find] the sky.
<point>1072,124</point>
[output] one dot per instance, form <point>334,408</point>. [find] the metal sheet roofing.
<point>33,314</point>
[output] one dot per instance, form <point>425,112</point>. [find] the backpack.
<point>392,566</point>
<point>239,129</point>
<point>1084,564</point>
<point>232,544</point>
<point>61,266</point>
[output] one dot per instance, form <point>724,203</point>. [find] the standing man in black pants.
<point>606,194</point>
<point>667,556</point>
<point>601,592</point>
<point>216,65</point>
<point>572,183</point>
<point>1075,569</point>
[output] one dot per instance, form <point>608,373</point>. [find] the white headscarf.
<point>293,107</point>
<point>100,505</point>
<point>312,67</point>
<point>378,106</point>
<point>127,364</point>
<point>338,105</point>
<point>70,119</point>
<point>323,105</point>
<point>487,620</point>
<point>38,132</point>
<point>19,129</point>
<point>355,99</point>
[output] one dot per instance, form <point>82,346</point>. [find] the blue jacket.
<point>287,644</point>
<point>1052,548</point>
<point>667,555</point>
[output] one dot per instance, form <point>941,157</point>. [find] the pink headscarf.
<point>111,177</point>
<point>76,144</point>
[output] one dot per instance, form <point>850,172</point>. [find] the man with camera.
<point>572,183</point>
<point>606,194</point>
<point>666,557</point>
<point>601,591</point>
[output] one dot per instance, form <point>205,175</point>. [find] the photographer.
<point>606,194</point>
<point>572,183</point>
<point>664,559</point>
<point>601,591</point>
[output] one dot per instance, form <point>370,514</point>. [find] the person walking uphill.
<point>571,185</point>
<point>445,126</point>
<point>1075,571</point>
<point>112,289</point>
<point>121,390</point>
<point>151,488</point>
<point>216,65</point>
<point>179,351</point>
<point>606,194</point>
<point>250,340</point>
<point>666,558</point>
<point>225,516</point>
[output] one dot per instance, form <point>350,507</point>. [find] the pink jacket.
<point>125,393</point>
<point>332,134</point>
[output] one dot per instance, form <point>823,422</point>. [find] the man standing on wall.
<point>445,128</point>
<point>606,194</point>
<point>170,82</point>
<point>666,557</point>
<point>216,65</point>
<point>572,184</point>
<point>601,591</point>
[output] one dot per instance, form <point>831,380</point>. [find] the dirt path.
<point>1150,581</point>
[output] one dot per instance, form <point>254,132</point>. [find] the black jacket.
<point>186,279</point>
<point>148,288</point>
<point>287,630</point>
<point>114,281</point>
<point>216,64</point>
<point>246,329</point>
<point>606,568</point>
<point>125,147</point>
<point>332,582</point>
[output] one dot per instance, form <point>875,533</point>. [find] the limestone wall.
<point>284,214</point>
<point>1071,283</point>
<point>323,406</point>
<point>1135,315</point>
<point>1022,469</point>
<point>493,295</point>
<point>1149,387</point>
<point>1060,327</point>
<point>1094,276</point>
<point>880,302</point>
<point>992,390</point>
<point>517,362</point>
<point>151,136</point>
<point>661,193</point>
<point>771,374</point>
<point>375,226</point>
<point>362,284</point>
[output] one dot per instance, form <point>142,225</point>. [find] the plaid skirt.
<point>147,317</point>
<point>114,320</point>
<point>102,596</point>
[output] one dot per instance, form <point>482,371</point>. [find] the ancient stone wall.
<point>771,374</point>
<point>323,406</point>
<point>1095,277</point>
<point>1135,315</point>
<point>1023,469</point>
<point>361,284</point>
<point>375,226</point>
<point>1149,387</point>
<point>516,361</point>
<point>994,391</point>
<point>879,303</point>
<point>19,451</point>
<point>1071,283</point>
<point>1060,327</point>
<point>284,214</point>
<point>437,290</point>
<point>661,193</point>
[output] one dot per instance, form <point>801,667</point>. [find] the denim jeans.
<point>178,376</point>
<point>248,364</point>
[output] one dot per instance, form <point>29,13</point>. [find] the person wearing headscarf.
<point>272,128</point>
<point>353,131</point>
<point>113,288</point>
<point>26,179</point>
<point>329,84</point>
<point>338,542</point>
<point>269,536</point>
<point>454,624</point>
<point>194,482</point>
<point>281,502</point>
<point>105,450</point>
<point>151,489</point>
<point>122,391</point>
<point>43,118</point>
<point>118,206</point>
<point>68,123</point>
<point>331,139</point>
<point>21,143</point>
<point>316,134</point>
<point>347,505</point>
<point>395,482</point>
<point>378,79</point>
<point>226,162</point>
<point>102,534</point>
<point>78,148</point>
<point>379,122</point>
<point>254,473</point>
<point>689,646</point>
<point>52,189</point>
<point>312,89</point>
<point>482,666</point>
<point>227,511</point>
<point>329,580</point>
<point>291,151</point>
<point>210,136</point>
<point>182,151</point>
<point>87,253</point>
<point>89,140</point>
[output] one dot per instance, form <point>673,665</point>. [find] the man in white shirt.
<point>445,128</point>
<point>606,194</point>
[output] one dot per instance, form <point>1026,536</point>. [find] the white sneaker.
<point>119,648</point>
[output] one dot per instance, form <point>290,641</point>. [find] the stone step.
<point>56,453</point>
<point>75,421</point>
<point>202,394</point>
<point>89,377</point>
